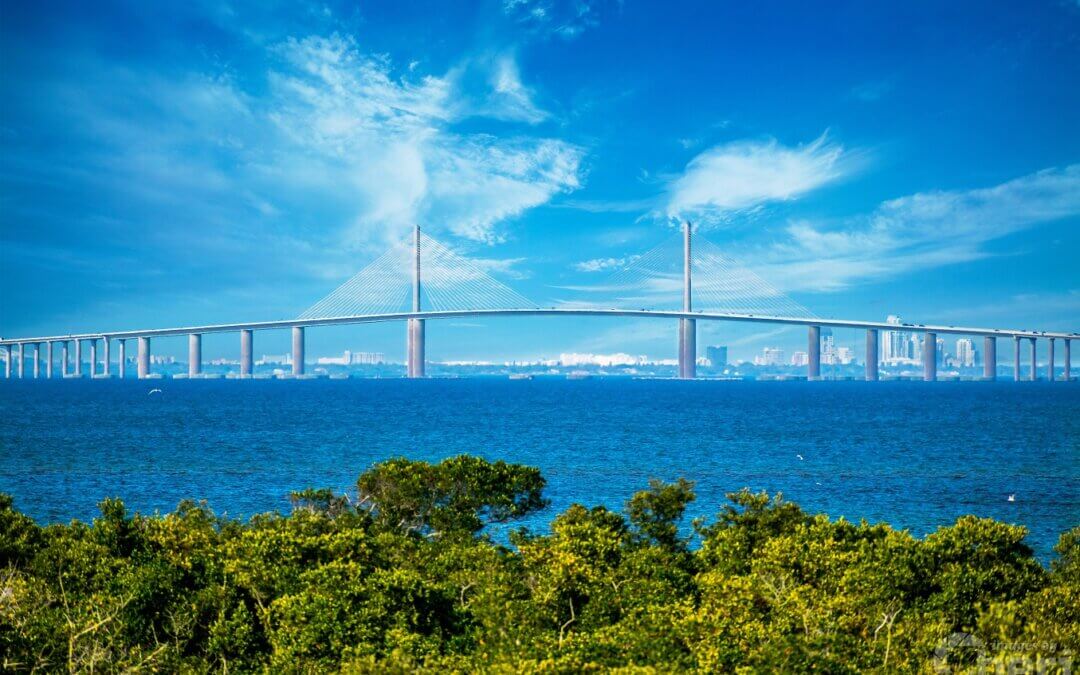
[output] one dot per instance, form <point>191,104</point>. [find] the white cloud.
<point>602,264</point>
<point>746,174</point>
<point>388,141</point>
<point>919,231</point>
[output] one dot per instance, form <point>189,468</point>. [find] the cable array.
<point>448,281</point>
<point>654,280</point>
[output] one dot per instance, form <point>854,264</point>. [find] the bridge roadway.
<point>550,311</point>
<point>416,320</point>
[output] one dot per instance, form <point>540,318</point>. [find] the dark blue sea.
<point>913,454</point>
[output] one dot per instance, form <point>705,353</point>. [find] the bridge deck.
<point>552,311</point>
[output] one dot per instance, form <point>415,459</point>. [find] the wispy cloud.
<point>742,175</point>
<point>563,18</point>
<point>604,264</point>
<point>389,142</point>
<point>919,231</point>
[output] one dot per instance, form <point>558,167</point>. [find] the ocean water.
<point>913,454</point>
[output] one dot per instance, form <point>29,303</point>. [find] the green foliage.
<point>402,578</point>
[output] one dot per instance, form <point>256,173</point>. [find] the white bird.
<point>1012,498</point>
<point>800,457</point>
<point>154,391</point>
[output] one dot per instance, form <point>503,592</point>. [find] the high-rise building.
<point>800,359</point>
<point>844,356</point>
<point>965,353</point>
<point>717,355</point>
<point>770,356</point>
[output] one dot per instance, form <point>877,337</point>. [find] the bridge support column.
<point>298,350</point>
<point>121,360</point>
<point>245,353</point>
<point>48,360</point>
<point>144,357</point>
<point>1068,361</point>
<point>64,358</point>
<point>20,363</point>
<point>194,354</point>
<point>7,361</point>
<point>93,358</point>
<point>871,355</point>
<point>1016,358</point>
<point>1050,362</point>
<point>989,358</point>
<point>687,349</point>
<point>416,348</point>
<point>813,353</point>
<point>929,354</point>
<point>106,367</point>
<point>37,360</point>
<point>78,358</point>
<point>1034,367</point>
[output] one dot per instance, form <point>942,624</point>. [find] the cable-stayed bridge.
<point>422,279</point>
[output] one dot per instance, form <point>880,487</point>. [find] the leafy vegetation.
<point>401,577</point>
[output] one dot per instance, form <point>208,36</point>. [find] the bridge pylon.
<point>414,341</point>
<point>687,327</point>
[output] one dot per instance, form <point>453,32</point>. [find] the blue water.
<point>912,454</point>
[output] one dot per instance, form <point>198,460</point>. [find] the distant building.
<point>367,358</point>
<point>965,353</point>
<point>349,358</point>
<point>770,356</point>
<point>800,359</point>
<point>899,347</point>
<point>162,360</point>
<point>844,356</point>
<point>603,360</point>
<point>717,355</point>
<point>275,360</point>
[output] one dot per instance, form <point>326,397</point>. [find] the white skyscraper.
<point>965,353</point>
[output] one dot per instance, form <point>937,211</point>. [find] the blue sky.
<point>211,162</point>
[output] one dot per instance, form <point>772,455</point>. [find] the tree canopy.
<point>402,576</point>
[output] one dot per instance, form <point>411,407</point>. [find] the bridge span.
<point>15,348</point>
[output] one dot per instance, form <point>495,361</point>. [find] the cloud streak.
<point>743,175</point>
<point>919,231</point>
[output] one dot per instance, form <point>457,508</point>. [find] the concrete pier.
<point>1050,361</point>
<point>1016,358</point>
<point>298,350</point>
<point>871,355</point>
<point>93,358</point>
<point>122,360</point>
<point>1034,365</point>
<point>415,357</point>
<point>415,347</point>
<point>106,368</point>
<point>7,361</point>
<point>194,354</point>
<point>144,357</point>
<point>687,327</point>
<point>48,360</point>
<point>989,358</point>
<point>78,358</point>
<point>929,355</point>
<point>1068,361</point>
<point>813,353</point>
<point>64,358</point>
<point>37,360</point>
<point>21,365</point>
<point>245,353</point>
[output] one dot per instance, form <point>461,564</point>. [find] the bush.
<point>400,577</point>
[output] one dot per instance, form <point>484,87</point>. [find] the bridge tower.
<point>687,327</point>
<point>415,340</point>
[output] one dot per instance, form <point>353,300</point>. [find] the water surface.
<point>913,454</point>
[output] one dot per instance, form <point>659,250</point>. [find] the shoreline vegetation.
<point>402,576</point>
